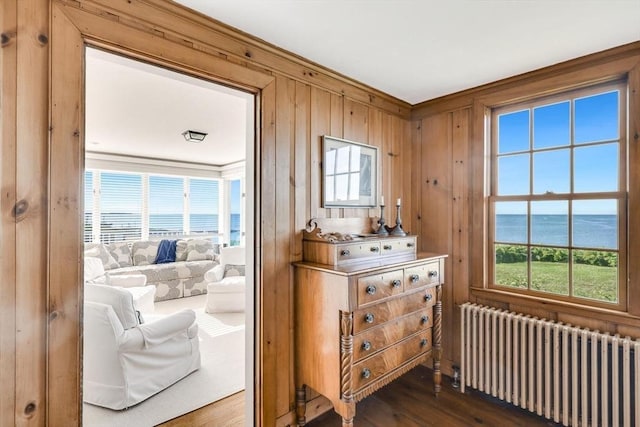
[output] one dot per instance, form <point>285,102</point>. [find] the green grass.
<point>590,281</point>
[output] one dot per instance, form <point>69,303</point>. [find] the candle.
<point>382,200</point>
<point>398,202</point>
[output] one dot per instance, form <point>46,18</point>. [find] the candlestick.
<point>398,202</point>
<point>382,230</point>
<point>397,230</point>
<point>381,200</point>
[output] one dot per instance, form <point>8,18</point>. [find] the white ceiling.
<point>418,50</point>
<point>136,109</point>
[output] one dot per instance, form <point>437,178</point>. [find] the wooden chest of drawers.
<point>359,325</point>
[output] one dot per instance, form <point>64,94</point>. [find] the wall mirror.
<point>349,173</point>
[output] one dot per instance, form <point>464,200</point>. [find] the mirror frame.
<point>330,143</point>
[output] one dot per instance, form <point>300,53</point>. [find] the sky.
<point>548,138</point>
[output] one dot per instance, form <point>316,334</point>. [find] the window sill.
<point>596,313</point>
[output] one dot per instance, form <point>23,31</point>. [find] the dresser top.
<point>373,265</point>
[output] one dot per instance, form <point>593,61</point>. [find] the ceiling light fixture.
<point>194,135</point>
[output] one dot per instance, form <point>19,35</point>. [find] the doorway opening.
<point>168,228</point>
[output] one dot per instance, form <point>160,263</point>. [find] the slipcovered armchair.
<point>128,358</point>
<point>226,282</point>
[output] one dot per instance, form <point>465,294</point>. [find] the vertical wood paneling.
<point>8,76</point>
<point>32,97</point>
<point>320,124</point>
<point>417,179</point>
<point>459,260</point>
<point>66,211</point>
<point>356,128</point>
<point>377,139</point>
<point>284,224</point>
<point>406,167</point>
<point>269,297</point>
<point>337,130</point>
<point>302,166</point>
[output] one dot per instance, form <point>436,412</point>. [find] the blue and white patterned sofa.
<point>182,278</point>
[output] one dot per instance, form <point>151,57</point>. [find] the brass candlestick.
<point>382,230</point>
<point>397,230</point>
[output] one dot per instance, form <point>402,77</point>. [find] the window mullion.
<point>145,206</point>
<point>186,208</point>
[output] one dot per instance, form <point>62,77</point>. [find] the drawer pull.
<point>428,297</point>
<point>369,317</point>
<point>345,252</point>
<point>371,289</point>
<point>366,373</point>
<point>414,278</point>
<point>433,273</point>
<point>424,342</point>
<point>410,245</point>
<point>374,249</point>
<point>366,346</point>
<point>395,283</point>
<point>387,247</point>
<point>425,319</point>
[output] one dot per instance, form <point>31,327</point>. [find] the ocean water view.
<point>589,231</point>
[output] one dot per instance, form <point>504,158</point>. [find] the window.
<point>166,205</point>
<point>558,197</point>
<point>235,228</point>
<point>134,206</point>
<point>120,207</point>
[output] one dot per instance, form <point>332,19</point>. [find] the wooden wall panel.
<point>320,124</point>
<point>8,88</point>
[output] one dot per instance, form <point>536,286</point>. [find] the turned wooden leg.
<point>347,422</point>
<point>437,341</point>
<point>301,405</point>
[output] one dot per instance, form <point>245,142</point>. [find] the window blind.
<point>166,201</point>
<point>88,206</point>
<point>203,205</point>
<point>120,207</point>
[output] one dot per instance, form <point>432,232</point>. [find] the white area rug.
<point>222,351</point>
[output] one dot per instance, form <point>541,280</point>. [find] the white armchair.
<point>128,359</point>
<point>143,296</point>
<point>226,282</point>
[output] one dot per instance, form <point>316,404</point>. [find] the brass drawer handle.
<point>345,252</point>
<point>371,289</point>
<point>387,247</point>
<point>414,278</point>
<point>428,297</point>
<point>424,319</point>
<point>396,283</point>
<point>366,373</point>
<point>374,249</point>
<point>366,346</point>
<point>433,273</point>
<point>369,317</point>
<point>424,342</point>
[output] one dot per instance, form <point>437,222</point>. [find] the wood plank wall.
<point>448,134</point>
<point>41,82</point>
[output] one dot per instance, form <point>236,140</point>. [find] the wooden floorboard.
<point>410,402</point>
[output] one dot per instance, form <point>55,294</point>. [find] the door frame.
<point>71,30</point>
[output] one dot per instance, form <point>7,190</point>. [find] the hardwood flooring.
<point>409,402</point>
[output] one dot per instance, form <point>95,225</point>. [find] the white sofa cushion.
<point>98,250</point>
<point>93,268</point>
<point>144,252</point>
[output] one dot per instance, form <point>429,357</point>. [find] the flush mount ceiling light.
<point>194,135</point>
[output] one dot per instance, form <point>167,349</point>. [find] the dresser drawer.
<point>392,247</point>
<point>375,339</point>
<point>422,275</point>
<point>346,253</point>
<point>375,287</point>
<point>372,368</point>
<point>368,317</point>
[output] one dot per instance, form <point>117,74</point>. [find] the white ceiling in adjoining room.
<point>140,110</point>
<point>417,50</point>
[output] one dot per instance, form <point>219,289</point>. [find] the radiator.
<point>564,373</point>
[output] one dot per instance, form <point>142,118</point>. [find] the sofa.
<point>180,278</point>
<point>226,282</point>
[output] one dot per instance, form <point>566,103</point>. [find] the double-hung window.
<point>558,186</point>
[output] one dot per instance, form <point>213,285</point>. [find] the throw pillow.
<point>98,250</point>
<point>144,252</point>
<point>166,252</point>
<point>231,270</point>
<point>121,252</point>
<point>181,250</point>
<point>200,250</point>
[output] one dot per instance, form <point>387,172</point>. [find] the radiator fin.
<point>571,375</point>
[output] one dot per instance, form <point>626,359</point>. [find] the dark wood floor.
<point>409,402</point>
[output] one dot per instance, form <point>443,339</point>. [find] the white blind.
<point>166,199</point>
<point>88,206</point>
<point>120,207</point>
<point>203,205</point>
